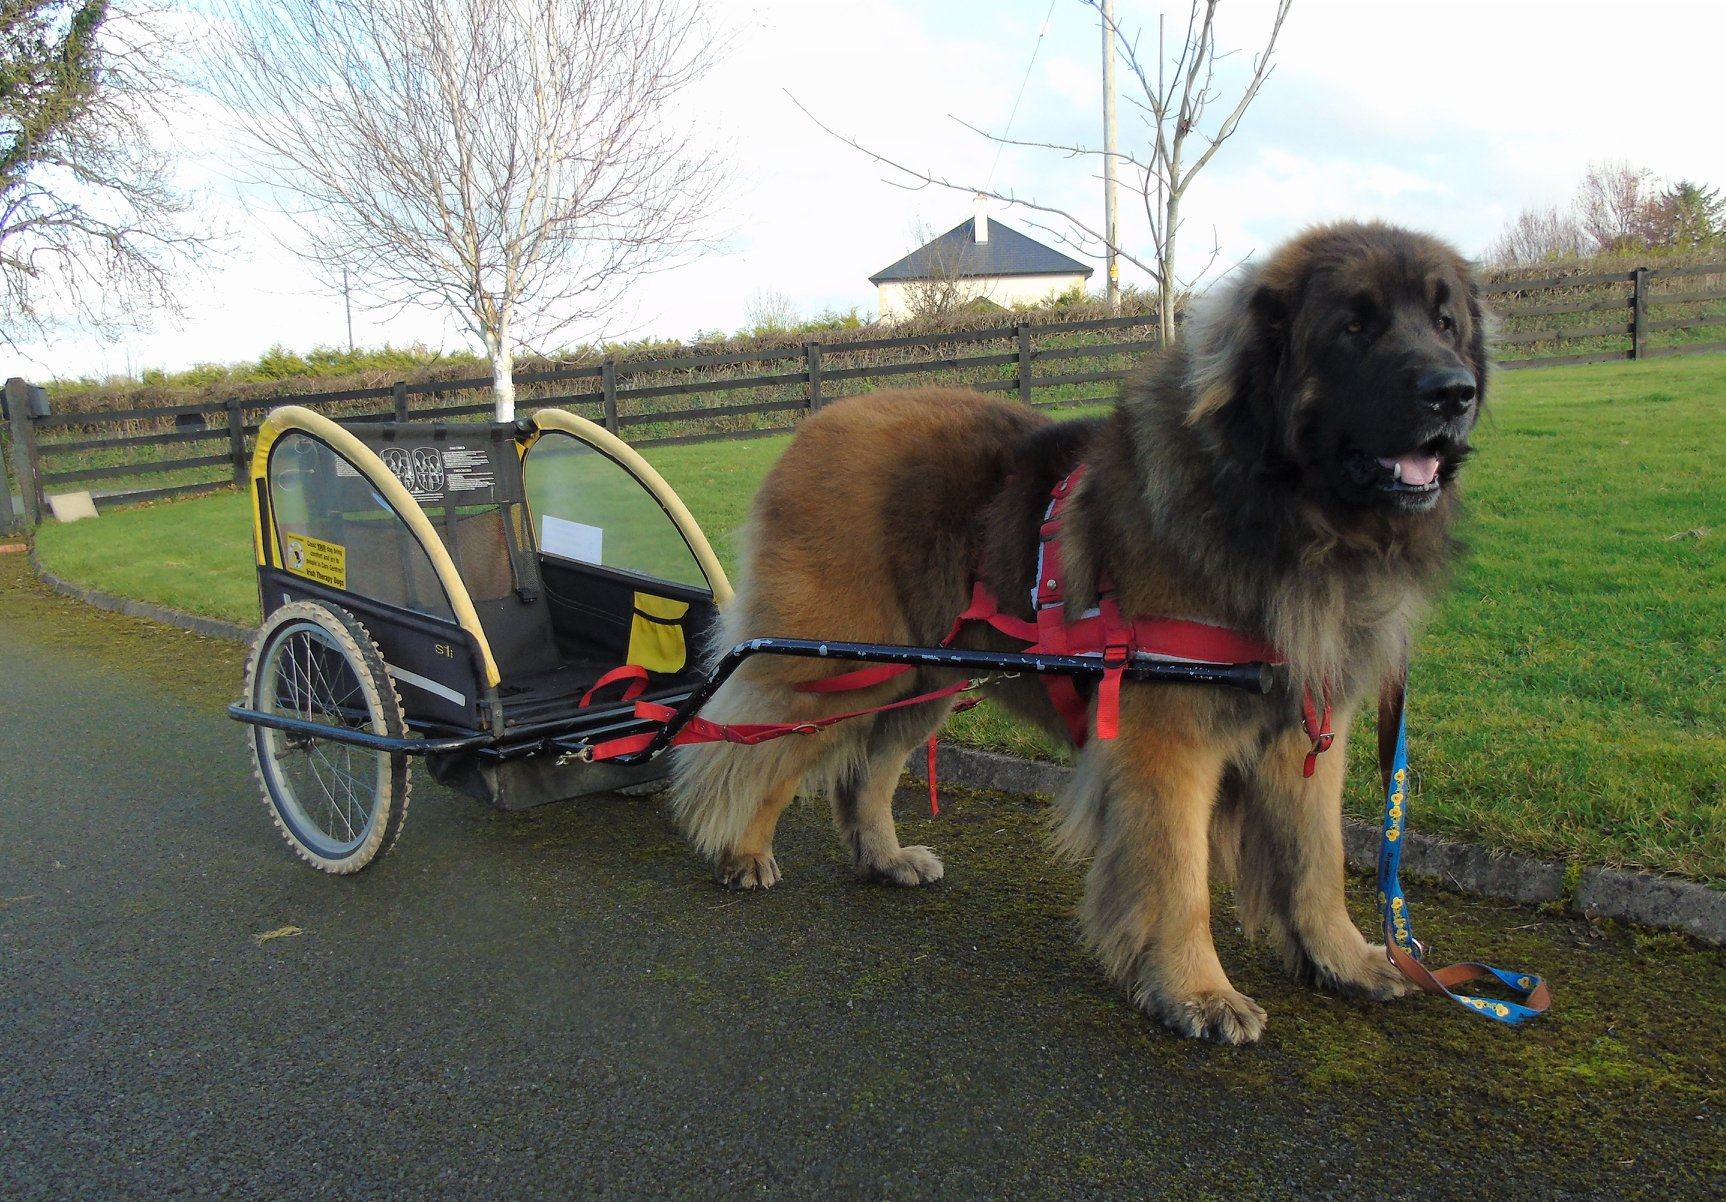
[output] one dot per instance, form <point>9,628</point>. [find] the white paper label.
<point>572,540</point>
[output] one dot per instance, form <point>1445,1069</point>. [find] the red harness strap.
<point>700,730</point>
<point>1105,631</point>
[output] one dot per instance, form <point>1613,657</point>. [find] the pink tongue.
<point>1417,470</point>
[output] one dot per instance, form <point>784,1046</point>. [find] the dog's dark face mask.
<point>1386,357</point>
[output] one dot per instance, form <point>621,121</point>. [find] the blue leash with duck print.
<point>1404,949</point>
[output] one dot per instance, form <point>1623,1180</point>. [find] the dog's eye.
<point>1354,327</point>
<point>1446,322</point>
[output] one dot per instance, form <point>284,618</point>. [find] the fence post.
<point>11,521</point>
<point>1639,314</point>
<point>237,440</point>
<point>812,362</point>
<point>608,385</point>
<point>26,465</point>
<point>399,396</point>
<point>1024,335</point>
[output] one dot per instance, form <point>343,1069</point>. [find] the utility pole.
<point>1110,231</point>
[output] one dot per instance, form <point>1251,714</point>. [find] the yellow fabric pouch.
<point>656,633</point>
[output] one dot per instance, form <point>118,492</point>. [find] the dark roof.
<point>956,254</point>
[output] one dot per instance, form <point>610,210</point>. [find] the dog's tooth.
<point>1396,471</point>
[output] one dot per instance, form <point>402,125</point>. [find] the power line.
<point>1000,143</point>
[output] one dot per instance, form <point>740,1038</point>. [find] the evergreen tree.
<point>1692,217</point>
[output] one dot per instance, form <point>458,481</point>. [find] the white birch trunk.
<point>502,377</point>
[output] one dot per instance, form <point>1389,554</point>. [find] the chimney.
<point>980,223</point>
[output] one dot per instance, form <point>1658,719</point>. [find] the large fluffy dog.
<point>1287,469</point>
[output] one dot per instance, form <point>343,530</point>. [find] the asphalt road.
<point>559,1004</point>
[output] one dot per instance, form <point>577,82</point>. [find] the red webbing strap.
<point>1117,639</point>
<point>934,795</point>
<point>1053,638</point>
<point>700,730</point>
<point>1180,638</point>
<point>862,678</point>
<point>986,607</point>
<point>1055,635</point>
<point>1106,632</point>
<point>1317,727</point>
<point>634,673</point>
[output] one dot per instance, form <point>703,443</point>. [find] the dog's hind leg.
<point>728,797</point>
<point>1291,869</point>
<point>862,796</point>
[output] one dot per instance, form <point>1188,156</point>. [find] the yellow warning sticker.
<point>327,563</point>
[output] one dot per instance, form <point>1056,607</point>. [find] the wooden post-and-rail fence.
<point>138,454</point>
<point>155,451</point>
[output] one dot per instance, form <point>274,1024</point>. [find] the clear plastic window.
<point>588,508</point>
<point>332,527</point>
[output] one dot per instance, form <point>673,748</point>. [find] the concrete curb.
<point>208,627</point>
<point>1646,900</point>
<point>1650,901</point>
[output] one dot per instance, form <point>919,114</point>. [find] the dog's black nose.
<point>1448,390</point>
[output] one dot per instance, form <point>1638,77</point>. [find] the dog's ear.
<point>1236,347</point>
<point>1271,312</point>
<point>1236,367</point>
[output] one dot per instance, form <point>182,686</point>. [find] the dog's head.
<point>1350,365</point>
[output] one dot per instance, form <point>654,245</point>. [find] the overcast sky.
<point>1451,117</point>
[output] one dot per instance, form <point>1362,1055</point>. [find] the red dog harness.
<point>1102,631</point>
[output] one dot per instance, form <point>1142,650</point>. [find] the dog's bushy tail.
<point>1080,808</point>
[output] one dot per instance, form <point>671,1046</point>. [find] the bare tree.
<point>1540,236</point>
<point>513,161</point>
<point>1172,112</point>
<point>769,311</point>
<point>1617,205</point>
<point>92,228</point>
<point>946,279</point>
<point>1178,142</point>
<point>1617,208</point>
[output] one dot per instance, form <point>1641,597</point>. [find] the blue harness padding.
<point>1403,948</point>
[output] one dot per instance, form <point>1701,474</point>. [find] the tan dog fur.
<point>1234,484</point>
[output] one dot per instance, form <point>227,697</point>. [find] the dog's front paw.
<point>739,871</point>
<point>906,866</point>
<point>1220,1015</point>
<point>1370,975</point>
<point>1353,967</point>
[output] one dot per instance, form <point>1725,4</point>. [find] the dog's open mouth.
<point>1410,482</point>
<point>1414,472</point>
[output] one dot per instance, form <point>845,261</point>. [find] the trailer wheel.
<point>339,806</point>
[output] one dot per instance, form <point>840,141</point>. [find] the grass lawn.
<point>1568,698</point>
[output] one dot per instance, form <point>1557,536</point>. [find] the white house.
<point>976,260</point>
